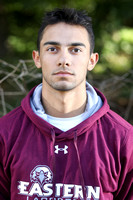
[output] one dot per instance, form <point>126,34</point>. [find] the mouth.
<point>63,73</point>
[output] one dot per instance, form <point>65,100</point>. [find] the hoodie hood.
<point>47,128</point>
<point>93,104</point>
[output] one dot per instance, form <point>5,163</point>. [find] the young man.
<point>64,142</point>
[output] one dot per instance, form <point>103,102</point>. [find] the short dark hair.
<point>69,16</point>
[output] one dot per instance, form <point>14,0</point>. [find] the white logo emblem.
<point>41,174</point>
<point>42,188</point>
<point>57,149</point>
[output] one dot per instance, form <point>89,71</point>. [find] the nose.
<point>64,59</point>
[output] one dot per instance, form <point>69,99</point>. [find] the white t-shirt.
<point>94,103</point>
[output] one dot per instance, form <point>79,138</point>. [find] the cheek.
<point>45,61</point>
<point>82,65</point>
<point>47,67</point>
<point>48,60</point>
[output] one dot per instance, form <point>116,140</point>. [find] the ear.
<point>93,61</point>
<point>36,58</point>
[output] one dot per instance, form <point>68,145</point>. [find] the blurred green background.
<point>113,28</point>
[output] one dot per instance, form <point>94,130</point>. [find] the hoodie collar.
<point>46,127</point>
<point>94,103</point>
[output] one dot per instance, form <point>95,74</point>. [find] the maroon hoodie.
<point>93,160</point>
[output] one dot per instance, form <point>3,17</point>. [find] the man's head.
<point>68,16</point>
<point>65,50</point>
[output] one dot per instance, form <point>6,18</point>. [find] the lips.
<point>63,73</point>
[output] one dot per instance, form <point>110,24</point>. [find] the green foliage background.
<point>113,27</point>
<point>112,24</point>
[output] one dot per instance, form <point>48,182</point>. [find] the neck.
<point>64,104</point>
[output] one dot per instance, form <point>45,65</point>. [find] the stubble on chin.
<point>63,87</point>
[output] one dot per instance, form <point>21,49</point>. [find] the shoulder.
<point>117,129</point>
<point>11,121</point>
<point>11,116</point>
<point>118,122</point>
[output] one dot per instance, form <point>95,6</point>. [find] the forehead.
<point>65,33</point>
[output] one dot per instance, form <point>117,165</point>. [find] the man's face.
<point>64,56</point>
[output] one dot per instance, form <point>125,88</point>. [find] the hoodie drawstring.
<point>79,162</point>
<point>53,160</point>
<point>80,168</point>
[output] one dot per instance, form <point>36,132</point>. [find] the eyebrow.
<point>59,44</point>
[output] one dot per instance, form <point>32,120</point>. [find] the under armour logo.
<point>61,149</point>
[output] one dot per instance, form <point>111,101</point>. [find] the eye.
<point>52,49</point>
<point>76,50</point>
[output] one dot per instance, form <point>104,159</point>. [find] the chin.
<point>63,87</point>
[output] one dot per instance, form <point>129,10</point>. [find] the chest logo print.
<point>41,174</point>
<point>41,187</point>
<point>57,149</point>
